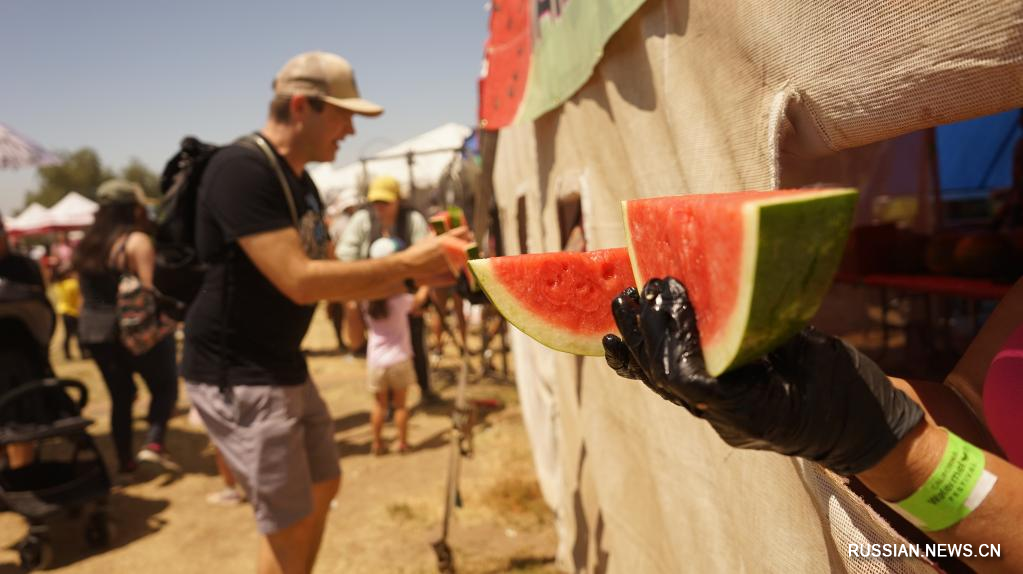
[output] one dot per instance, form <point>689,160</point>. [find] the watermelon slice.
<point>472,251</point>
<point>439,223</point>
<point>447,220</point>
<point>756,264</point>
<point>456,217</point>
<point>563,300</point>
<point>456,253</point>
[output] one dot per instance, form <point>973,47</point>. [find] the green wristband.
<point>956,487</point>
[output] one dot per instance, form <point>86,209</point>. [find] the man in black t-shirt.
<point>259,226</point>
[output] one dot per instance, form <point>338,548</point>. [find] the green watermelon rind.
<point>789,290</point>
<point>530,323</point>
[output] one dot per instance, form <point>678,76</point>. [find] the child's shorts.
<point>395,377</point>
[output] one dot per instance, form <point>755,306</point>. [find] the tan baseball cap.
<point>326,76</point>
<point>113,191</point>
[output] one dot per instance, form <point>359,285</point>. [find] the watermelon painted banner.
<point>540,52</point>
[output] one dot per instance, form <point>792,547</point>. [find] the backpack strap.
<point>376,230</point>
<point>228,287</point>
<point>403,224</point>
<point>118,258</point>
<point>285,188</point>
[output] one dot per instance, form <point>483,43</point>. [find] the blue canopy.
<point>975,156</point>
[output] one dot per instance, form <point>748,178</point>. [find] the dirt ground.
<point>387,514</point>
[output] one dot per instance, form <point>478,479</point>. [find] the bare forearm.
<point>354,327</point>
<point>995,521</point>
<point>279,256</point>
<point>350,280</point>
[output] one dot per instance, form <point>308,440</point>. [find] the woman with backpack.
<point>114,253</point>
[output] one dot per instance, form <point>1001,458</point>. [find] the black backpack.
<point>178,272</point>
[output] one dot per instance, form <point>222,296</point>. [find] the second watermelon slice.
<point>563,300</point>
<point>756,264</point>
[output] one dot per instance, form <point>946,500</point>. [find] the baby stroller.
<point>49,465</point>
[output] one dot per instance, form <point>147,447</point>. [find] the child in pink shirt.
<point>389,365</point>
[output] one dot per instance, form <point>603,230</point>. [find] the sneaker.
<point>153,453</point>
<point>226,496</point>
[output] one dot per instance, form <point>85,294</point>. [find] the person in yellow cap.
<point>388,216</point>
<point>259,227</point>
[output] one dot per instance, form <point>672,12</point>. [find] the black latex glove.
<point>813,397</point>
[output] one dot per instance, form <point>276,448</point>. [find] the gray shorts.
<point>278,441</point>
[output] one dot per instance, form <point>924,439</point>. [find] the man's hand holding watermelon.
<point>435,252</point>
<point>813,397</point>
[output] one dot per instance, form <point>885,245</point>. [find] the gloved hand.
<point>813,397</point>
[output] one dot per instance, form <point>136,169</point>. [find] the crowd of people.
<point>270,257</point>
<point>261,230</point>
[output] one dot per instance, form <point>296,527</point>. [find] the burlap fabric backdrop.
<point>713,96</point>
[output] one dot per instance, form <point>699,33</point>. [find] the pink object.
<point>389,339</point>
<point>1003,397</point>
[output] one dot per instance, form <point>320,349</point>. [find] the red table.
<point>972,290</point>
<point>949,286</point>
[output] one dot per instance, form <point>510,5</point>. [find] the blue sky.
<point>130,78</point>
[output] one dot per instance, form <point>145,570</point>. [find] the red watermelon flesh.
<point>756,264</point>
<point>563,300</point>
<point>707,231</point>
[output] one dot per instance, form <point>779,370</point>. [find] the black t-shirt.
<point>241,330</point>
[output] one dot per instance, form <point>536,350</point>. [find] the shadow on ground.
<point>189,452</point>
<point>132,518</point>
<point>528,564</point>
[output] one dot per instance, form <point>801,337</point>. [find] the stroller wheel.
<point>99,531</point>
<point>35,552</point>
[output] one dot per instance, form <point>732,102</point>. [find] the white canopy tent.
<point>73,210</point>
<point>431,153</point>
<point>334,182</point>
<point>34,219</point>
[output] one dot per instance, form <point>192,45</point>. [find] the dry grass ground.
<point>387,514</point>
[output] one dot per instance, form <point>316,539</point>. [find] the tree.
<point>79,171</point>
<point>141,174</point>
<point>82,171</point>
